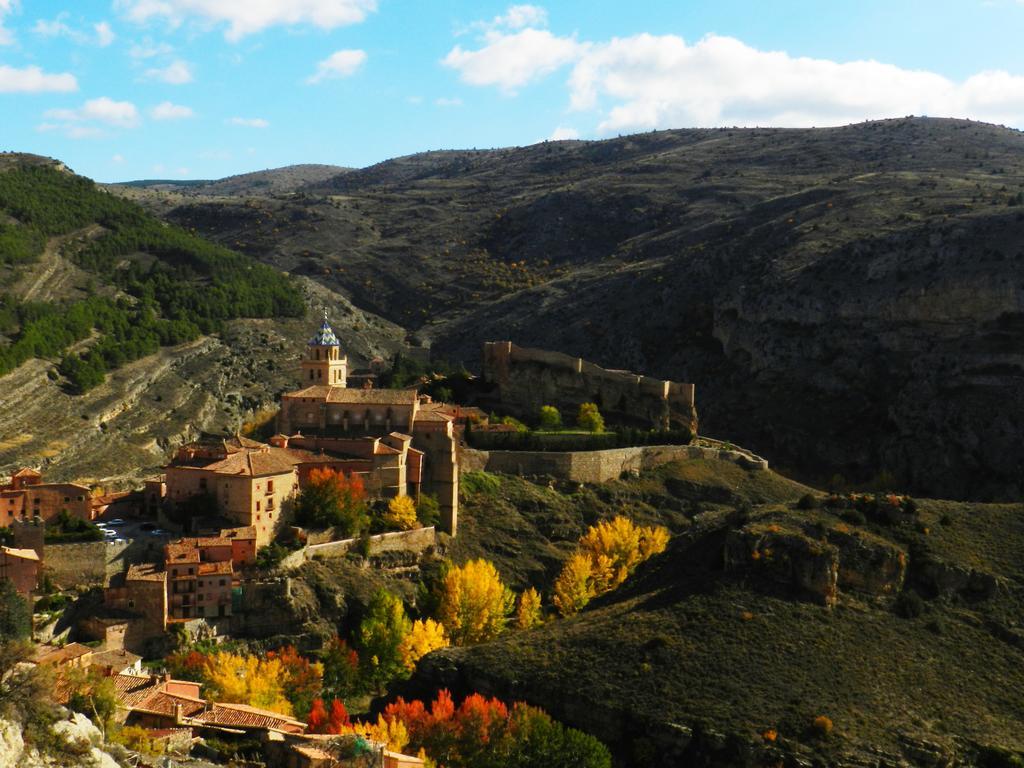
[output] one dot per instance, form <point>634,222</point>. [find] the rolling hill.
<point>121,336</point>
<point>720,651</point>
<point>847,300</point>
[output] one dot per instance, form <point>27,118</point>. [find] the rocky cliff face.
<point>848,301</point>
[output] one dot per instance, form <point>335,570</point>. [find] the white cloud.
<point>249,122</point>
<point>101,35</point>
<point>104,111</point>
<point>117,159</point>
<point>562,133</point>
<point>165,110</point>
<point>657,81</point>
<point>510,61</point>
<point>416,100</point>
<point>178,72</point>
<point>104,34</point>
<point>147,49</point>
<point>444,101</point>
<point>661,81</point>
<point>245,18</point>
<point>6,36</point>
<point>34,80</point>
<point>338,65</point>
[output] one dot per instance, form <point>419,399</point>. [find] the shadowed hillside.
<point>719,652</point>
<point>848,300</point>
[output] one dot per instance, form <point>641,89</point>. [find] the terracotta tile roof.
<point>145,572</point>
<point>244,716</point>
<point>208,569</point>
<point>407,759</point>
<point>182,551</point>
<point>433,415</point>
<point>24,554</point>
<point>317,392</point>
<point>266,460</point>
<point>162,703</point>
<point>372,396</point>
<point>131,690</point>
<point>239,534</point>
<point>312,752</point>
<point>49,655</point>
<point>27,472</point>
<point>116,659</point>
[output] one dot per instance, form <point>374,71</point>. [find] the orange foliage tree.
<point>332,499</point>
<point>304,678</point>
<point>486,733</point>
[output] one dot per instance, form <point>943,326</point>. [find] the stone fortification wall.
<point>94,562</point>
<point>598,466</point>
<point>415,541</point>
<point>525,379</point>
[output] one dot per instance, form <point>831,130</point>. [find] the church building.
<point>328,415</point>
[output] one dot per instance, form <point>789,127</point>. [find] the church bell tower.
<point>323,362</point>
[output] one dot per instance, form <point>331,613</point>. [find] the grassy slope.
<point>528,529</point>
<point>684,643</point>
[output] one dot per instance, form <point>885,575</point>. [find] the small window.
<point>191,571</point>
<point>259,517</point>
<point>67,499</point>
<point>223,582</point>
<point>258,506</point>
<point>270,486</point>
<point>131,603</point>
<point>81,498</point>
<point>201,597</point>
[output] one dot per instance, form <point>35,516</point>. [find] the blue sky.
<point>123,89</point>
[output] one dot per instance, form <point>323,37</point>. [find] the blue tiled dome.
<point>325,336</point>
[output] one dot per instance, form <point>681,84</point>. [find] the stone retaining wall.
<point>415,541</point>
<point>94,562</point>
<point>597,466</point>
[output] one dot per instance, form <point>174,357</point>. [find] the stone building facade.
<point>20,566</point>
<point>26,496</point>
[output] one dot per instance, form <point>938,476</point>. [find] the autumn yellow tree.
<point>528,611</point>
<point>244,679</point>
<point>401,514</point>
<point>574,586</point>
<point>473,603</point>
<point>391,733</point>
<point>425,636</point>
<point>608,552</point>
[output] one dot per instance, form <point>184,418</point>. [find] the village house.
<point>253,484</point>
<point>196,580</point>
<point>21,566</point>
<point>26,496</point>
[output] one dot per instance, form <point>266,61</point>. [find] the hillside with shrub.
<point>870,273</point>
<point>121,334</point>
<point>779,626</point>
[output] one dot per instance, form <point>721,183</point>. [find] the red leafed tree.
<point>339,717</point>
<point>318,721</point>
<point>305,679</point>
<point>330,498</point>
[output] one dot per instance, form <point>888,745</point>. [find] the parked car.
<point>115,521</point>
